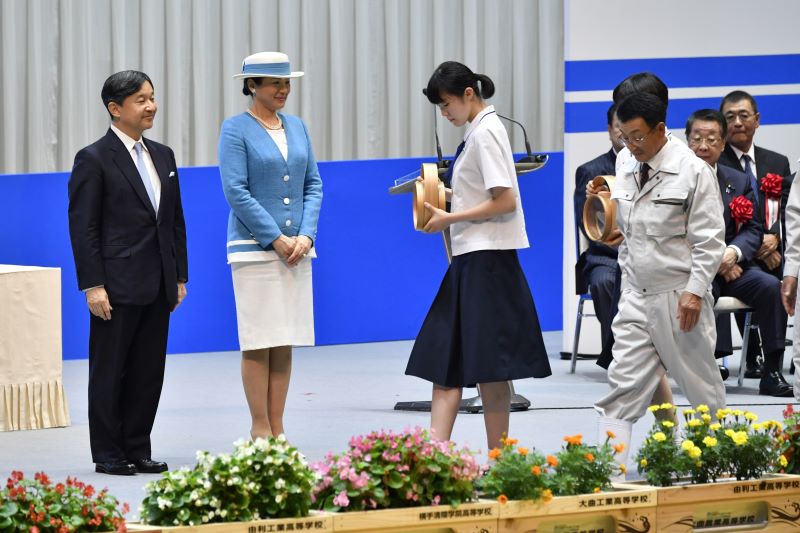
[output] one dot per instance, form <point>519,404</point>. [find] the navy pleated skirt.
<point>482,327</point>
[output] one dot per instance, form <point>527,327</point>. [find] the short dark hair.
<point>246,89</point>
<point>710,115</point>
<point>646,106</point>
<point>737,96</point>
<point>641,82</point>
<point>610,113</point>
<point>452,77</point>
<point>121,85</point>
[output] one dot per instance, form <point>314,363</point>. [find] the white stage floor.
<point>336,392</point>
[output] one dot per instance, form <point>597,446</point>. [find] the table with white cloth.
<point>31,391</point>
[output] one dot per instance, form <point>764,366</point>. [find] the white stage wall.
<point>702,50</point>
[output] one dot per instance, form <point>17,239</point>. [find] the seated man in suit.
<point>598,264</point>
<point>771,193</point>
<point>738,275</point>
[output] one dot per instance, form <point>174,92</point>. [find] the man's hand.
<point>615,239</point>
<point>768,245</point>
<point>789,294</point>
<point>728,261</point>
<point>733,273</point>
<point>181,294</point>
<point>97,300</point>
<point>689,307</point>
<point>772,260</point>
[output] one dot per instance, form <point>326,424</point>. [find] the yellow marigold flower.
<point>536,470</point>
<point>740,438</point>
<point>702,408</point>
<point>494,453</point>
<point>666,405</point>
<point>552,461</point>
<point>589,457</point>
<point>523,451</point>
<point>611,434</point>
<point>729,432</point>
<point>722,413</point>
<point>687,445</point>
<point>695,452</point>
<point>752,417</point>
<point>574,440</point>
<point>694,422</point>
<point>782,460</point>
<point>643,463</point>
<point>667,423</point>
<point>758,427</point>
<point>654,408</point>
<point>596,490</point>
<point>623,468</point>
<point>503,499</point>
<point>737,412</point>
<point>706,418</point>
<point>547,495</point>
<point>710,442</point>
<point>689,412</point>
<point>714,427</point>
<point>619,448</point>
<point>659,437</point>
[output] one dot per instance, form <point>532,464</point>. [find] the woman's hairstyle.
<point>452,77</point>
<point>121,85</point>
<point>246,90</point>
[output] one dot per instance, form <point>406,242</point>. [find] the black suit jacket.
<point>733,183</point>
<point>117,239</point>
<point>767,162</point>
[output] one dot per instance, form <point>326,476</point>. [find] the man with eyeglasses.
<point>670,215</point>
<point>742,118</point>
<point>597,266</point>
<point>738,274</point>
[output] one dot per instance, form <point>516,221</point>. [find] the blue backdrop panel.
<point>373,281</point>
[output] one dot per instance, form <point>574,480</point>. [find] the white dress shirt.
<point>129,143</point>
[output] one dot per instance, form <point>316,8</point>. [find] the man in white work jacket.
<point>670,214</point>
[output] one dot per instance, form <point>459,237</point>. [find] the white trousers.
<point>648,342</point>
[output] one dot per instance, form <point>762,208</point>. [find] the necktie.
<point>644,175</point>
<point>448,176</point>
<point>748,169</point>
<point>148,185</point>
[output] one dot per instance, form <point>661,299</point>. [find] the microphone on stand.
<point>441,164</point>
<point>530,158</point>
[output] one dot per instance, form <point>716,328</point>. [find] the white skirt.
<point>274,304</point>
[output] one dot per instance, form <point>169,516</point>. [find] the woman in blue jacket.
<point>270,179</point>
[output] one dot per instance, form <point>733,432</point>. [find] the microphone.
<point>441,164</point>
<point>530,158</point>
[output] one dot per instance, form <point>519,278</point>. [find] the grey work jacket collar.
<point>666,162</point>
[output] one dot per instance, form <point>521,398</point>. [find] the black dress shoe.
<point>754,371</point>
<point>148,466</point>
<point>115,468</point>
<point>774,384</point>
<point>724,372</point>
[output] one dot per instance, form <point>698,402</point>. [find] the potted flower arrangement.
<point>266,481</point>
<point>789,440</point>
<point>716,471</point>
<point>565,490</point>
<point>40,506</point>
<point>386,479</point>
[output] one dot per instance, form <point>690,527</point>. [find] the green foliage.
<point>267,478</point>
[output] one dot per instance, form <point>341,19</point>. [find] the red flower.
<point>741,210</point>
<point>771,185</point>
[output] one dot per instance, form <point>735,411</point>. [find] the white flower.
<point>280,483</point>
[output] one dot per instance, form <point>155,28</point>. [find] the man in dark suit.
<point>742,117</point>
<point>598,264</point>
<point>738,275</point>
<point>129,243</point>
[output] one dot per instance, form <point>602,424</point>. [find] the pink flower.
<point>341,499</point>
<point>436,500</point>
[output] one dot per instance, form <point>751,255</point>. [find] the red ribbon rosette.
<point>741,210</point>
<point>771,185</point>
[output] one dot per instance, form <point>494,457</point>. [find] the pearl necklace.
<point>267,126</point>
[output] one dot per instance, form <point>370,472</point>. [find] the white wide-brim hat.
<point>267,65</point>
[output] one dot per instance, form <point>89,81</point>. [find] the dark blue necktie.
<point>748,169</point>
<point>448,176</point>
